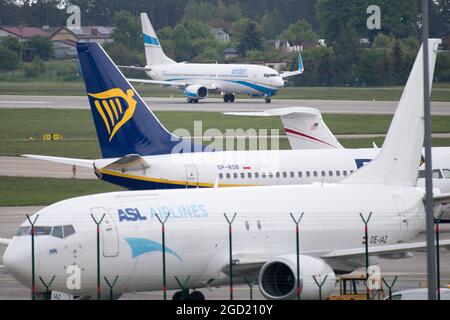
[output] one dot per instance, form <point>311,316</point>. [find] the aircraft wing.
<point>163,82</point>
<point>136,68</point>
<point>78,162</point>
<point>299,70</point>
<point>5,241</point>
<point>387,250</point>
<point>129,162</point>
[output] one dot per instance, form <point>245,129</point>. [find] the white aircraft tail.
<point>153,51</point>
<point>399,159</point>
<point>304,127</point>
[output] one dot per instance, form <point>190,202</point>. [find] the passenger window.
<point>221,175</point>
<point>258,223</point>
<point>247,225</point>
<point>68,231</point>
<point>330,173</point>
<point>277,174</point>
<point>242,175</point>
<point>228,176</point>
<point>256,175</point>
<point>315,173</point>
<point>263,175</point>
<point>446,173</point>
<point>338,173</point>
<point>270,175</point>
<point>299,174</point>
<point>323,173</point>
<point>284,174</point>
<point>235,175</point>
<point>249,174</point>
<point>292,174</point>
<point>437,174</point>
<point>308,174</point>
<point>344,172</point>
<point>351,171</point>
<point>58,232</point>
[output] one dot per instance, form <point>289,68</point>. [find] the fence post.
<point>111,286</point>
<point>366,243</point>
<point>438,263</point>
<point>163,235</point>
<point>230,240</point>
<point>47,286</point>
<point>297,222</point>
<point>98,222</point>
<point>320,285</point>
<point>184,293</point>
<point>390,286</point>
<point>33,280</point>
<point>250,284</point>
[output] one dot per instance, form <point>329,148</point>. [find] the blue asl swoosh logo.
<point>141,246</point>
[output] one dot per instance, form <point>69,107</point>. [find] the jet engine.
<point>196,91</point>
<point>278,278</point>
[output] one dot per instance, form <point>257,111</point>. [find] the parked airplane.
<point>196,80</point>
<point>139,153</point>
<point>264,245</point>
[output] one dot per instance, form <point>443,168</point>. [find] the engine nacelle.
<point>278,281</point>
<point>196,91</point>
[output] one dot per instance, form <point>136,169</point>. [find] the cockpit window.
<point>269,75</point>
<point>42,231</point>
<point>446,173</point>
<point>56,231</point>
<point>23,231</point>
<point>68,231</point>
<point>437,174</point>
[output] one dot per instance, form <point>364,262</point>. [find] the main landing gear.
<point>228,97</point>
<point>268,99</point>
<point>189,100</point>
<point>185,295</point>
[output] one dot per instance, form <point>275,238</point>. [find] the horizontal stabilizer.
<point>136,68</point>
<point>129,162</point>
<point>167,83</point>
<point>5,241</point>
<point>382,250</point>
<point>77,162</point>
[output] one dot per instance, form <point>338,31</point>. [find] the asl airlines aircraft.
<point>139,153</point>
<point>197,80</point>
<point>264,245</point>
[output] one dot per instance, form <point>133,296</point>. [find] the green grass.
<point>22,129</point>
<point>24,191</point>
<point>44,87</point>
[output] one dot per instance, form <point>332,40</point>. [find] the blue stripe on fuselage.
<point>150,40</point>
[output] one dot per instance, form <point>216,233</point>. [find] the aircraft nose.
<point>279,82</point>
<point>17,260</point>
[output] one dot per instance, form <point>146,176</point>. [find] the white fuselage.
<point>222,78</point>
<point>197,232</point>
<point>252,168</point>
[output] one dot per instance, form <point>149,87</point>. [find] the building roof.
<point>89,32</point>
<point>219,30</point>
<point>26,32</point>
<point>66,42</point>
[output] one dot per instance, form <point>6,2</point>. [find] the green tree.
<point>182,43</point>
<point>299,32</point>
<point>127,30</point>
<point>442,73</point>
<point>122,55</point>
<point>346,55</point>
<point>273,24</point>
<point>248,34</point>
<point>12,44</point>
<point>9,60</point>
<point>199,10</point>
<point>42,45</point>
<point>383,41</point>
<point>35,68</point>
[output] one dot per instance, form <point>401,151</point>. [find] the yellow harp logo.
<point>109,106</point>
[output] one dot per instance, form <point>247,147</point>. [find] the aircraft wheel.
<point>196,295</point>
<point>225,98</point>
<point>189,100</point>
<point>231,97</point>
<point>195,100</point>
<point>268,99</point>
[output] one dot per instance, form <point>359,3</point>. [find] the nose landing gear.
<point>268,99</point>
<point>228,97</point>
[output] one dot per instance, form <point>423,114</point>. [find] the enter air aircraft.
<point>196,80</point>
<point>139,153</point>
<point>264,246</point>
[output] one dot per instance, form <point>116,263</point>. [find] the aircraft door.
<point>191,175</point>
<point>108,233</point>
<point>403,217</point>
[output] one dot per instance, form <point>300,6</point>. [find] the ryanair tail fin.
<point>124,123</point>
<point>399,159</point>
<point>153,51</point>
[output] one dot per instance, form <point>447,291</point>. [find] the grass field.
<point>22,132</point>
<point>24,191</point>
<point>441,92</point>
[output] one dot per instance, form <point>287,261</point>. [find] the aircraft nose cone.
<point>17,260</point>
<point>279,82</point>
